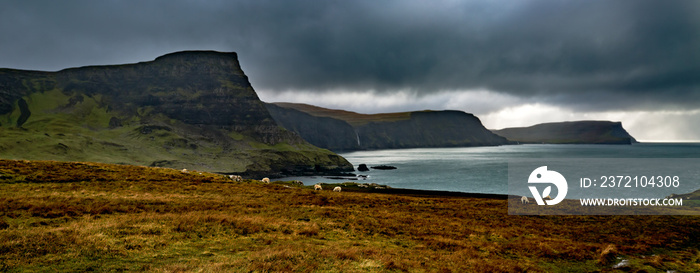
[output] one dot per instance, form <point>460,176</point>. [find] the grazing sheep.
<point>317,187</point>
<point>337,189</point>
<point>236,178</point>
<point>297,182</point>
<point>266,180</point>
<point>524,200</point>
<point>184,170</point>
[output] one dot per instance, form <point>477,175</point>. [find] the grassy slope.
<point>57,216</point>
<point>82,133</point>
<point>354,119</point>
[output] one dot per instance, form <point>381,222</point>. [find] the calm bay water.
<point>485,169</point>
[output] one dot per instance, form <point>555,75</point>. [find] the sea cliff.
<point>343,130</point>
<point>192,109</point>
<point>574,132</point>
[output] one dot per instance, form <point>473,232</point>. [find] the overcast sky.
<point>511,63</point>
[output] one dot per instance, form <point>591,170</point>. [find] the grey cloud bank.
<point>581,56</point>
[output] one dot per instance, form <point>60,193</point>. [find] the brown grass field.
<point>77,217</point>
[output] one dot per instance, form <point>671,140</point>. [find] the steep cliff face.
<point>326,132</point>
<point>428,129</point>
<point>197,88</point>
<point>343,130</point>
<point>575,132</point>
<point>192,109</point>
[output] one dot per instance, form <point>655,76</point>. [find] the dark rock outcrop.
<point>363,168</point>
<point>383,167</point>
<point>193,109</point>
<point>574,132</point>
<point>342,130</point>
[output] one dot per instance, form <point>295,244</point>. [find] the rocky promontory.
<point>574,132</point>
<point>192,109</point>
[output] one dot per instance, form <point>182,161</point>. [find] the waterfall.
<point>358,139</point>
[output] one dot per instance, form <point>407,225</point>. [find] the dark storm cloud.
<point>590,55</point>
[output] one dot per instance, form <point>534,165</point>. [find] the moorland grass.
<point>75,217</point>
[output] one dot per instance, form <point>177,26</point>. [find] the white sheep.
<point>317,187</point>
<point>266,180</point>
<point>297,182</point>
<point>524,200</point>
<point>236,178</point>
<point>337,189</point>
<point>184,170</point>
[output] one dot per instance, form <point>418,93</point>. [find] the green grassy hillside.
<point>83,134</point>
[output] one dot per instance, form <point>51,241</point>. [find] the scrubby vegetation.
<point>75,217</point>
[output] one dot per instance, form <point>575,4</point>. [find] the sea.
<point>485,169</point>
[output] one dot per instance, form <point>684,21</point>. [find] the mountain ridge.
<point>189,109</point>
<point>352,118</point>
<point>355,131</point>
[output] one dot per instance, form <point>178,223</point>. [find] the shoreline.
<point>433,193</point>
<point>378,188</point>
